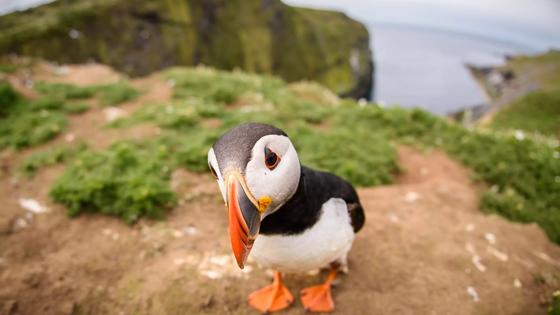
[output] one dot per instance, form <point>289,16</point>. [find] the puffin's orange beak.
<point>244,218</point>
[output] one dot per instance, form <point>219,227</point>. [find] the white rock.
<point>478,264</point>
<point>32,205</point>
<point>20,224</point>
<point>211,274</point>
<point>498,254</point>
<point>411,196</point>
<point>473,294</point>
<point>220,260</point>
<point>74,34</point>
<point>69,137</point>
<point>190,231</point>
<point>517,283</point>
<point>394,218</point>
<point>112,113</point>
<point>491,238</point>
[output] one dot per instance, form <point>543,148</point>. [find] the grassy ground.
<point>538,111</point>
<point>31,122</point>
<point>130,178</point>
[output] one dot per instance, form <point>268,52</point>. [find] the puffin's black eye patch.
<point>271,159</point>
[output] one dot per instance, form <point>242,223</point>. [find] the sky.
<point>534,23</point>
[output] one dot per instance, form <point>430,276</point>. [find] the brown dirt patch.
<point>414,255</point>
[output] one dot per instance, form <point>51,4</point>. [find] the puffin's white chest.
<point>328,240</point>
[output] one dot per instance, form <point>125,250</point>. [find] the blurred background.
<point>445,115</point>
<point>435,40</point>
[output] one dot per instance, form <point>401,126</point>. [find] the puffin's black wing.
<point>303,209</point>
<point>329,186</point>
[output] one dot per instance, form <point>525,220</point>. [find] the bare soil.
<point>426,247</point>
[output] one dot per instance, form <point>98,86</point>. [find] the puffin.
<point>288,217</point>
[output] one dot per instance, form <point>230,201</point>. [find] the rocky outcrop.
<point>141,36</point>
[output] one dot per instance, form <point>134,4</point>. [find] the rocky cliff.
<point>141,36</point>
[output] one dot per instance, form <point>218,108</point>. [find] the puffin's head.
<point>257,170</point>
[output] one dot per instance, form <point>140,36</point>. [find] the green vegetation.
<point>554,308</point>
<point>294,43</point>
<point>50,156</point>
<point>130,179</point>
<point>542,69</point>
<point>26,123</point>
<point>64,91</point>
<point>109,94</point>
<point>536,111</point>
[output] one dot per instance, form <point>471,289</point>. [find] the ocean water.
<point>426,68</point>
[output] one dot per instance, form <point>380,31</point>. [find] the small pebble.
<point>491,238</point>
<point>411,197</point>
<point>474,295</point>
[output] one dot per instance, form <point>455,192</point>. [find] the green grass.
<point>49,157</point>
<point>8,68</point>
<point>64,91</point>
<point>554,308</point>
<point>25,123</point>
<point>115,94</point>
<point>537,111</point>
<point>357,143</point>
<point>128,180</point>
<point>108,94</point>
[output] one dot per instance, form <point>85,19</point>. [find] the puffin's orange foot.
<point>318,298</point>
<point>272,298</point>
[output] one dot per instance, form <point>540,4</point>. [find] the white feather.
<point>327,241</point>
<point>280,183</point>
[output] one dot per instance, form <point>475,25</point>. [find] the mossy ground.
<point>130,178</point>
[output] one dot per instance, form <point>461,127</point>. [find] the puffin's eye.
<point>271,159</point>
<point>213,171</point>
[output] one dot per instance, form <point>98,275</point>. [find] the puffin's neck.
<point>299,213</point>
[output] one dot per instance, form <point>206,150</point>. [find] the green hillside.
<point>142,36</point>
<point>538,111</point>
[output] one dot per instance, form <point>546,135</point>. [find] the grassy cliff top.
<point>539,110</point>
<point>139,37</point>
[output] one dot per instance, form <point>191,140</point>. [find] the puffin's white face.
<point>254,182</point>
<point>272,172</point>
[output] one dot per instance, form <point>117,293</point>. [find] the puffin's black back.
<point>303,209</point>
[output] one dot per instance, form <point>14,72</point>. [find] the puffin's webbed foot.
<point>318,298</point>
<point>272,298</point>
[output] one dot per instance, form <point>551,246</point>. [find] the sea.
<point>421,67</point>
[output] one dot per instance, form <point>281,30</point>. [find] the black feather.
<point>303,209</point>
